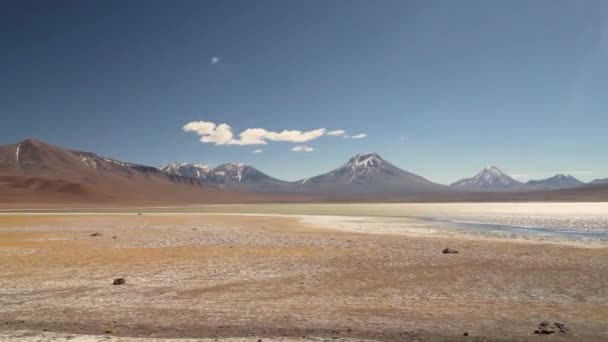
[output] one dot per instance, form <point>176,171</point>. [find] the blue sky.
<point>522,85</point>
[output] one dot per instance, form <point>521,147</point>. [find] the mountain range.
<point>365,173</point>
<point>33,171</point>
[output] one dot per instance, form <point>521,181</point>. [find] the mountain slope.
<point>32,171</point>
<point>489,179</point>
<point>369,174</point>
<point>558,181</point>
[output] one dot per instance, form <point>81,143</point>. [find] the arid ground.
<point>234,276</point>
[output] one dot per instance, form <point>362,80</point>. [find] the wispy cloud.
<point>215,60</point>
<point>302,149</point>
<point>359,136</point>
<point>402,138</point>
<point>336,133</point>
<point>258,151</point>
<point>222,134</point>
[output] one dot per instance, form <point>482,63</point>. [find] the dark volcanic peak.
<point>490,178</point>
<point>368,173</point>
<point>559,181</point>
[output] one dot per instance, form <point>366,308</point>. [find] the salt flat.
<point>310,272</point>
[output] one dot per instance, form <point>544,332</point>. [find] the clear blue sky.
<point>522,85</point>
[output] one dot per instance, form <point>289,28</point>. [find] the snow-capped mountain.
<point>196,171</point>
<point>368,173</point>
<point>559,181</point>
<point>235,176</point>
<point>490,178</point>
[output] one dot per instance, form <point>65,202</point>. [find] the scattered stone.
<point>119,281</point>
<point>108,331</point>
<point>449,251</point>
<point>546,328</point>
<point>113,237</point>
<point>138,214</point>
<point>96,234</point>
<point>561,326</point>
<point>465,334</point>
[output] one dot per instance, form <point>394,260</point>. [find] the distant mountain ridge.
<point>36,171</point>
<point>559,181</point>
<point>235,176</point>
<point>599,181</point>
<point>365,173</point>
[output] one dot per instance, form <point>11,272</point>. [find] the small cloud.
<point>215,60</point>
<point>359,136</point>
<point>402,138</point>
<point>222,134</point>
<point>336,133</point>
<point>302,149</point>
<point>257,151</point>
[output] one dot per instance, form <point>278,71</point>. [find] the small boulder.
<point>119,281</point>
<point>561,326</point>
<point>546,328</point>
<point>96,234</point>
<point>449,251</point>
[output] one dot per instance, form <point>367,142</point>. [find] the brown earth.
<point>36,174</point>
<point>195,276</point>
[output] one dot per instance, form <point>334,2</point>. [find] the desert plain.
<point>289,272</point>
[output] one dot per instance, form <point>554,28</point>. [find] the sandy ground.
<point>245,278</point>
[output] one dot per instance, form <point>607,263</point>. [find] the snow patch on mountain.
<point>491,178</point>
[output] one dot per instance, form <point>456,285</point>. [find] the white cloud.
<point>215,60</point>
<point>257,151</point>
<point>336,133</point>
<point>211,133</point>
<point>222,134</point>
<point>359,136</point>
<point>302,149</point>
<point>402,138</point>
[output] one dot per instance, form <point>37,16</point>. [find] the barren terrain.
<point>250,277</point>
